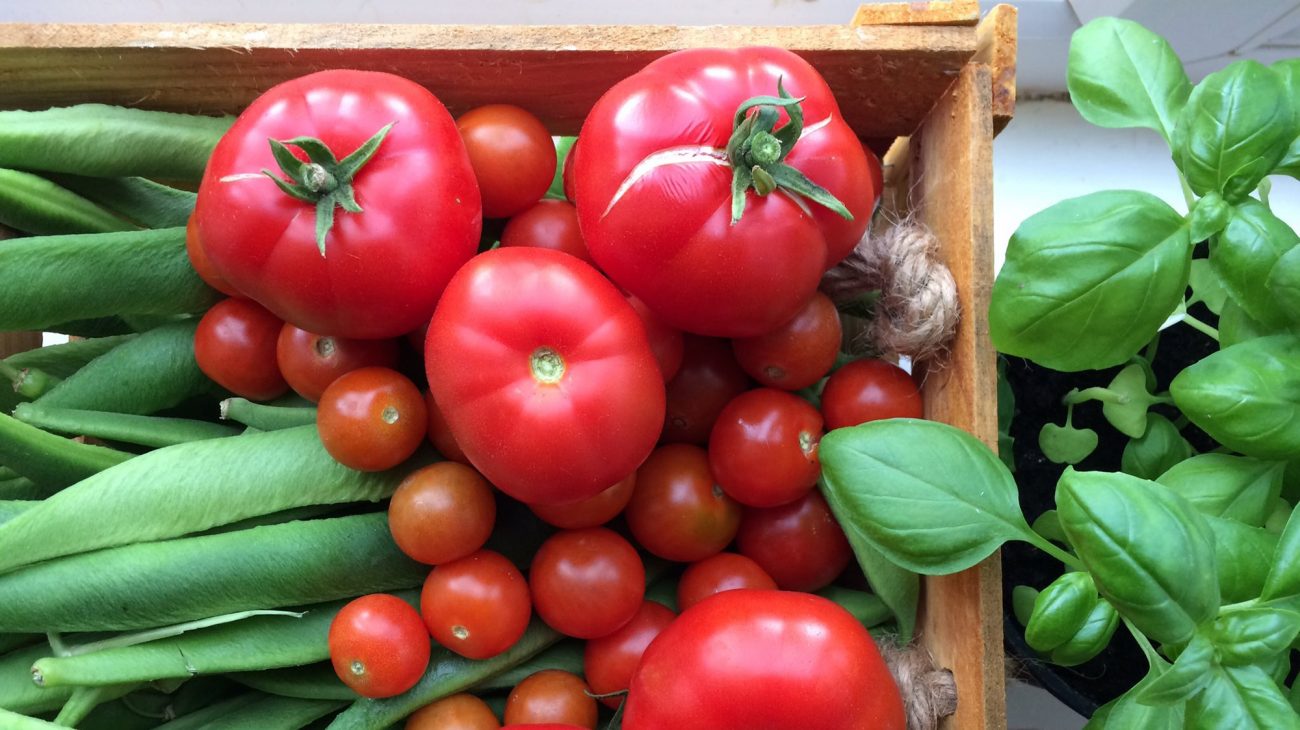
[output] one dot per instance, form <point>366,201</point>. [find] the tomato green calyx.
<point>324,180</point>
<point>547,365</point>
<point>757,151</point>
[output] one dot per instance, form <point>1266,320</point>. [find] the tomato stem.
<point>547,365</point>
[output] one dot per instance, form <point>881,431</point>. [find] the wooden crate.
<point>924,81</point>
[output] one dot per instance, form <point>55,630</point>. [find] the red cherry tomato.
<point>587,583</point>
<point>440,433</point>
<point>791,660</point>
<point>202,265</point>
<point>799,544</point>
<point>548,224</point>
<point>543,726</point>
<point>457,712</point>
<point>591,512</point>
<point>799,352</point>
<point>311,362</point>
<point>708,379</point>
<point>543,371</point>
<point>869,390</point>
<point>666,342</point>
<point>763,449</point>
<point>721,572</point>
<point>512,154</point>
<point>371,419</point>
<point>551,696</point>
<point>677,511</point>
<point>235,346</point>
<point>378,645</point>
<point>442,513</point>
<point>608,662</point>
<point>477,606</point>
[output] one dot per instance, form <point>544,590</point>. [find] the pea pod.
<point>161,583</point>
<point>50,459</point>
<point>11,508</point>
<point>128,428</point>
<point>67,358</point>
<point>566,655</point>
<point>14,721</point>
<point>266,417</point>
<point>258,712</point>
<point>53,279</point>
<point>188,488</point>
<point>150,204</point>
<point>18,693</point>
<point>110,141</point>
<point>32,204</point>
<point>312,682</point>
<point>85,699</point>
<point>22,488</point>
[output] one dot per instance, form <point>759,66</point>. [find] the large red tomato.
<point>660,152</point>
<point>544,374</point>
<point>350,245</point>
<point>750,659</point>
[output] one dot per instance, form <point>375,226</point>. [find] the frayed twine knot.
<point>929,693</point>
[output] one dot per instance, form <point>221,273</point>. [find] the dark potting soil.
<point>1038,393</point>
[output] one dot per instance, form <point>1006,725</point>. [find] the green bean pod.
<point>67,358</point>
<point>32,204</point>
<point>162,583</point>
<point>263,712</point>
<point>96,327</point>
<point>265,417</point>
<point>50,459</point>
<point>152,431</point>
<point>203,717</point>
<point>566,655</point>
<point>14,721</point>
<point>312,682</point>
<point>85,699</point>
<point>53,279</point>
<point>110,141</point>
<point>189,488</point>
<point>17,691</point>
<point>9,642</point>
<point>11,508</point>
<point>150,204</point>
<point>24,489</point>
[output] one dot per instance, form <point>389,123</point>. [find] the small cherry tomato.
<point>719,573</point>
<point>763,449</point>
<point>202,264</point>
<point>551,696</point>
<point>869,390</point>
<point>442,513</point>
<point>378,645</point>
<point>799,352</point>
<point>512,155</point>
<point>591,512</point>
<point>707,380</point>
<point>678,511</point>
<point>440,433</point>
<point>608,662</point>
<point>457,712</point>
<point>567,173</point>
<point>476,606</point>
<point>799,544</point>
<point>587,583</point>
<point>311,362</point>
<point>235,346</point>
<point>548,224</point>
<point>371,419</point>
<point>667,343</point>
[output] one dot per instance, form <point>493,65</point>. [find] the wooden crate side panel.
<point>997,35</point>
<point>12,343</point>
<point>961,619</point>
<point>917,12</point>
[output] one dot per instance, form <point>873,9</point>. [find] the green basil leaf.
<point>1088,281</point>
<point>1048,525</point>
<point>1283,581</point>
<point>1066,444</point>
<point>1006,413</point>
<point>1209,215</point>
<point>1246,397</point>
<point>1233,487</point>
<point>1294,696</point>
<point>1089,641</point>
<point>1244,254</point>
<point>1129,414</point>
<point>1289,71</point>
<point>1123,75</point>
<point>1278,516</point>
<point>1206,285</point>
<point>935,510</point>
<point>1060,610</point>
<point>1241,698</point>
<point>1284,284</point>
<point>1150,552</point>
<point>1126,713</point>
<point>1159,449</point>
<point>1189,674</point>
<point>1243,554</point>
<point>1251,635</point>
<point>1235,327</point>
<point>1022,602</point>
<point>1234,129</point>
<point>898,588</point>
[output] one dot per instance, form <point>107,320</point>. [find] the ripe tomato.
<point>548,224</point>
<point>869,390</point>
<point>799,352</point>
<point>440,433</point>
<point>792,660</point>
<point>402,220</point>
<point>371,419</point>
<point>570,188</point>
<point>512,154</point>
<point>202,265</point>
<point>763,449</point>
<point>799,544</point>
<point>677,511</point>
<point>311,362</point>
<point>666,342</point>
<point>608,662</point>
<point>442,513</point>
<point>234,345</point>
<point>587,583</point>
<point>721,572</point>
<point>378,645</point>
<point>551,696</point>
<point>591,512</point>
<point>457,712</point>
<point>708,379</point>
<point>543,372</point>
<point>661,180</point>
<point>477,606</point>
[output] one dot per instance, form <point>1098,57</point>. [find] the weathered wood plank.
<point>997,35</point>
<point>920,12</point>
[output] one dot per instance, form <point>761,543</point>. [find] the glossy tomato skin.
<point>477,606</point>
<point>763,449</point>
<point>799,544</point>
<point>665,233</point>
<point>442,512</point>
<point>869,390</point>
<point>678,512</point>
<point>440,433</point>
<point>799,352</point>
<point>311,362</point>
<point>587,583</point>
<point>707,380</point>
<point>202,265</point>
<point>383,268</point>
<point>793,660</point>
<point>378,645</point>
<point>608,662</point>
<point>371,419</point>
<point>547,224</point>
<point>512,155</point>
<point>544,374</point>
<point>666,342</point>
<point>551,696</point>
<point>590,512</point>
<point>721,572</point>
<point>457,712</point>
<point>570,187</point>
<point>234,345</point>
